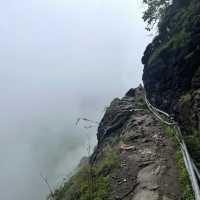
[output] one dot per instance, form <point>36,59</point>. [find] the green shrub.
<point>183,174</point>
<point>91,182</point>
<point>183,177</point>
<point>193,143</point>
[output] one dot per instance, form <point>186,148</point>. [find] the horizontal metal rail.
<point>189,164</point>
<point>155,110</point>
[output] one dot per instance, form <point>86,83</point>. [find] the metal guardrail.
<point>155,110</point>
<point>192,170</point>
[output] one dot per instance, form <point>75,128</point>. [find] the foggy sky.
<point>59,60</point>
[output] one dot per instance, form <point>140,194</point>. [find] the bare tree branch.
<point>85,120</point>
<point>51,196</point>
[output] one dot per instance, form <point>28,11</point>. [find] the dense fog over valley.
<point>60,60</point>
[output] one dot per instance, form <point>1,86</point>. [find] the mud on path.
<point>147,169</point>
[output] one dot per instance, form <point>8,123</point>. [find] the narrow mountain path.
<point>147,169</point>
<point>134,158</point>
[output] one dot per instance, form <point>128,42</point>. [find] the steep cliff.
<point>134,158</point>
<point>172,69</point>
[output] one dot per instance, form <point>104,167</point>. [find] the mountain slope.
<point>134,159</point>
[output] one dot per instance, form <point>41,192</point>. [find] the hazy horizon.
<point>60,60</point>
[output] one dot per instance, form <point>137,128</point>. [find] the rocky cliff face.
<point>134,158</point>
<point>172,68</point>
<point>147,165</point>
<point>172,60</point>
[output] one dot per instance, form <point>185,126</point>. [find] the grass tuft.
<point>183,175</point>
<point>91,182</point>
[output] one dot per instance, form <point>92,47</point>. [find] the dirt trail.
<point>148,167</point>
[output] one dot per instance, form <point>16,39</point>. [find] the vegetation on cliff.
<point>175,53</point>
<point>91,182</point>
<point>154,12</point>
<point>133,159</point>
<point>183,174</point>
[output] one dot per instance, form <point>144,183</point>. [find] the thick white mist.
<point>60,60</point>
